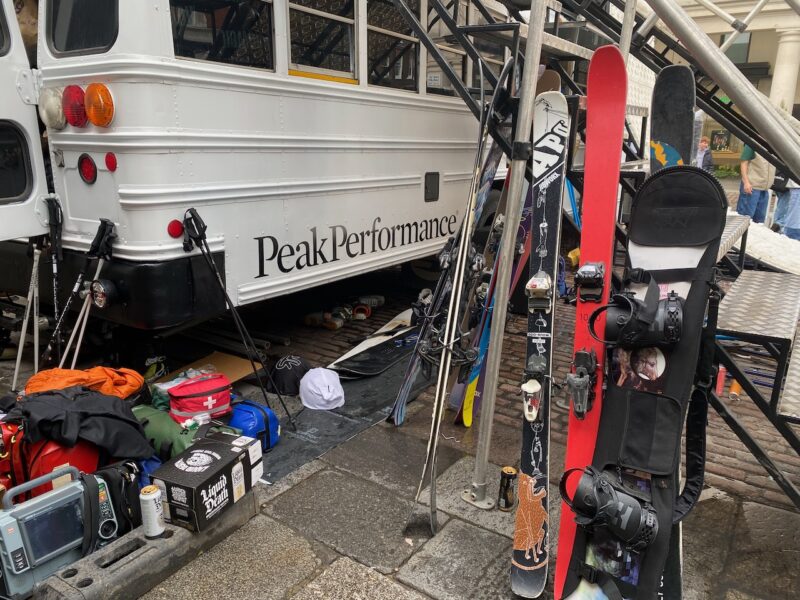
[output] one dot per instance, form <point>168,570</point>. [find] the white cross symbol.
<point>209,404</point>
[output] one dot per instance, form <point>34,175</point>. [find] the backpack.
<point>122,480</point>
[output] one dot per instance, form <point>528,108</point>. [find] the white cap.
<point>320,390</point>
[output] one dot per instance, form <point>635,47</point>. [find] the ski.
<point>467,394</point>
<point>671,136</point>
<point>627,501</point>
<point>530,546</point>
<point>605,117</point>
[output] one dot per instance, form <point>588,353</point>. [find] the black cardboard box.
<point>206,479</point>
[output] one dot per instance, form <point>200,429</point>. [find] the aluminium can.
<point>152,511</point>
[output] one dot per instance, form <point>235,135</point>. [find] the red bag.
<point>204,394</point>
<point>21,461</point>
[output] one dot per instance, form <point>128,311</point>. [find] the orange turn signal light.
<point>99,105</point>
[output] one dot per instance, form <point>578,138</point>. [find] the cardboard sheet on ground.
<point>233,367</point>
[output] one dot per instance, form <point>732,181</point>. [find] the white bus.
<point>314,137</point>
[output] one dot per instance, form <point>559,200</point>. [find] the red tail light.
<point>73,104</point>
<point>87,168</point>
<point>111,161</point>
<point>175,228</point>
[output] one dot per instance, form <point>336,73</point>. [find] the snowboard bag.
<point>626,502</point>
<point>256,421</point>
<point>167,438</point>
<point>209,393</point>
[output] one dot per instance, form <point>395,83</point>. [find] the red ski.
<point>605,120</point>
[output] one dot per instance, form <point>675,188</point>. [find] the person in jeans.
<point>757,176</point>
<point>703,158</point>
<point>787,212</point>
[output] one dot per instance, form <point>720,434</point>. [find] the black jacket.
<point>74,413</point>
<point>708,162</point>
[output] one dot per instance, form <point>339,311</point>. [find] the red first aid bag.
<point>204,394</point>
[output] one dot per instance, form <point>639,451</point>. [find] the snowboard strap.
<point>602,579</point>
<point>645,276</point>
<point>697,414</point>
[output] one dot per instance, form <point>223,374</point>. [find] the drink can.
<point>152,511</point>
<point>507,497</point>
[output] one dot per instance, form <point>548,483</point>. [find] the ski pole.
<point>21,344</point>
<point>56,219</point>
<point>100,247</point>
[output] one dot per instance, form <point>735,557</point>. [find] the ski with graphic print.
<point>530,556</point>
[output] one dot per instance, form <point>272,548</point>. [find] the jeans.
<point>791,233</point>
<point>781,208</point>
<point>753,205</point>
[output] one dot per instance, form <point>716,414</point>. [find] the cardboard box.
<point>208,478</point>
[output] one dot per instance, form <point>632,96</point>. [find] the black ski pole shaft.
<point>55,217</point>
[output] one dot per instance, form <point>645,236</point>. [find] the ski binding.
<point>589,282</point>
<point>539,291</point>
<point>581,383</point>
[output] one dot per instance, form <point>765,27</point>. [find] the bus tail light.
<point>72,101</point>
<point>99,105</point>
<point>51,109</point>
<point>87,168</point>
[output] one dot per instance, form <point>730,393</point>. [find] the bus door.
<point>23,182</point>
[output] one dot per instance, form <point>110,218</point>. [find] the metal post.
<point>728,18</point>
<point>524,128</point>
<point>763,115</point>
<point>795,4</point>
<point>745,23</point>
<point>649,22</point>
<point>628,21</point>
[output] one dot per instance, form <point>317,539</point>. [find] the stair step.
<point>789,404</point>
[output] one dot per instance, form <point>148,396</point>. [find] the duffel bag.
<point>256,421</point>
<point>167,437</point>
<point>32,460</point>
<point>204,394</point>
<point>122,481</point>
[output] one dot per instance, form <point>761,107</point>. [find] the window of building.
<point>15,173</point>
<point>228,31</point>
<point>739,50</point>
<point>392,50</point>
<point>82,26</point>
<point>323,35</point>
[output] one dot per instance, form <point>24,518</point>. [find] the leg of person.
<point>745,205</point>
<point>781,207</point>
<point>760,205</point>
<point>792,223</point>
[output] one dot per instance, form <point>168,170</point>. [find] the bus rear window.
<point>14,165</point>
<point>82,26</point>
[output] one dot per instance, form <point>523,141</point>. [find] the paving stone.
<point>388,457</point>
<point>263,559</point>
<point>266,492</point>
<point>357,518</point>
<point>765,548</point>
<point>348,580</point>
<point>707,533</point>
<point>462,561</point>
<point>452,482</point>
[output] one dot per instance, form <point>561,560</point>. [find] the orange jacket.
<point>112,382</point>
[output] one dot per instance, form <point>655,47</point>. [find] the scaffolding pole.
<point>760,112</point>
<point>626,33</point>
<point>745,24</point>
<point>519,160</point>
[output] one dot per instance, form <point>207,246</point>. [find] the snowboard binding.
<point>633,323</point>
<point>601,501</point>
<point>580,384</point>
